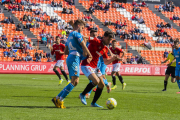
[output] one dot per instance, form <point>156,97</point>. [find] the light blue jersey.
<point>73,42</point>
<point>177,56</point>
<point>75,53</point>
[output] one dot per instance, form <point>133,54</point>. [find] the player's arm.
<point>61,51</point>
<point>66,50</point>
<point>85,39</point>
<point>172,62</point>
<point>111,54</point>
<point>164,61</point>
<point>108,61</point>
<point>86,51</point>
<point>123,52</point>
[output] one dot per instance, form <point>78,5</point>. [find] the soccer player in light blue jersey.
<point>176,53</point>
<point>76,50</point>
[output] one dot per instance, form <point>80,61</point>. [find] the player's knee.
<point>54,69</point>
<point>76,82</point>
<point>112,74</point>
<point>173,80</point>
<point>101,85</point>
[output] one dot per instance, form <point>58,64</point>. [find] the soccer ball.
<point>111,103</point>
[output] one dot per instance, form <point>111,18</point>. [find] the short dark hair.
<point>109,34</point>
<point>93,31</point>
<point>114,41</point>
<point>176,41</point>
<point>57,37</point>
<point>79,22</point>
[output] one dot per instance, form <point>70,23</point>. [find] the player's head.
<point>57,40</point>
<point>93,33</point>
<point>79,25</point>
<point>108,36</point>
<point>176,43</point>
<point>114,44</point>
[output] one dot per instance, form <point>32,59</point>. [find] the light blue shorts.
<point>73,63</point>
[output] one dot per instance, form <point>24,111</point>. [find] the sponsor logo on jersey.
<point>91,38</point>
<point>98,53</point>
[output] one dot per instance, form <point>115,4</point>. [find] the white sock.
<point>61,98</point>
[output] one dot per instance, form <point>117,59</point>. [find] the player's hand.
<point>89,59</point>
<point>178,63</point>
<point>119,59</point>
<point>51,48</point>
<point>169,64</point>
<point>85,37</point>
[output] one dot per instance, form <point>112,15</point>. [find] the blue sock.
<point>61,92</point>
<point>67,90</point>
<point>178,82</point>
<point>105,82</point>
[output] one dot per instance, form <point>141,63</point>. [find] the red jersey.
<point>115,51</point>
<point>57,49</point>
<point>96,49</point>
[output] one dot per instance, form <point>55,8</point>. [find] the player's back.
<point>73,43</point>
<point>177,56</point>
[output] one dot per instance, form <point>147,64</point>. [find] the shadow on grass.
<point>33,107</point>
<point>145,91</point>
<point>103,109</point>
<point>27,106</point>
<point>34,96</point>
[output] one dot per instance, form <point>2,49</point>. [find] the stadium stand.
<point>125,13</point>
<point>138,26</point>
<point>170,11</point>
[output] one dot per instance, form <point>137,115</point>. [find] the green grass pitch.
<point>28,97</point>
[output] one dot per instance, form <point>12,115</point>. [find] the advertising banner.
<point>47,68</point>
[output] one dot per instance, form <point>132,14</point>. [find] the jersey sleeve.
<point>62,47</point>
<point>93,40</point>
<point>78,37</point>
<point>105,55</point>
<point>119,51</point>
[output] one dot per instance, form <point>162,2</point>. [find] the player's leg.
<point>178,80</point>
<point>89,87</point>
<point>98,92</point>
<point>56,66</point>
<point>121,80</point>
<point>113,73</point>
<point>73,68</point>
<point>103,71</point>
<point>167,74</point>
<point>165,82</point>
<point>89,93</point>
<point>64,73</point>
<point>107,84</point>
<point>173,78</point>
<point>90,74</point>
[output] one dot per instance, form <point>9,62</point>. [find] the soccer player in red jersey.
<point>97,48</point>
<point>116,65</point>
<point>58,50</point>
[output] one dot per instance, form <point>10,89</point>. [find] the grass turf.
<point>29,97</point>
